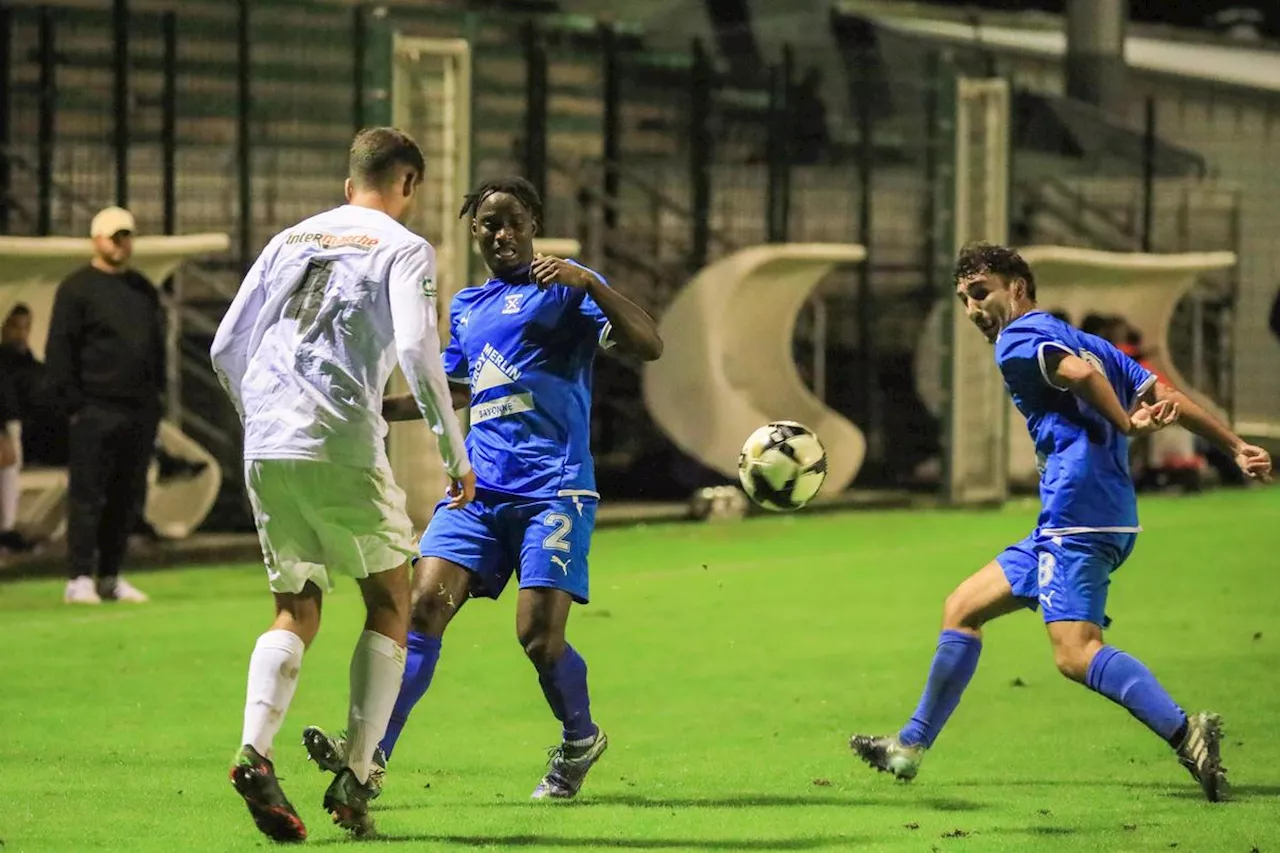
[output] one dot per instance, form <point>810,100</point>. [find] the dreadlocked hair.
<point>521,188</point>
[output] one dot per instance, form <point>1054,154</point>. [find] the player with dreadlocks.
<point>521,355</point>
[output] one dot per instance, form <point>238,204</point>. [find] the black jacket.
<point>25,377</point>
<point>106,341</point>
<point>9,408</point>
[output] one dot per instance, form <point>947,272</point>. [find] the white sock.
<point>273,678</point>
<point>377,667</point>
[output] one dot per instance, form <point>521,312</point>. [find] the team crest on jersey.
<point>1047,564</point>
<point>512,303</point>
<point>429,287</point>
<point>1093,361</point>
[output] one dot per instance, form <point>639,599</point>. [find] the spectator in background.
<point>44,428</point>
<point>20,375</point>
<point>1167,458</point>
<point>1275,316</point>
<point>106,364</point>
<point>1102,325</point>
<point>10,460</point>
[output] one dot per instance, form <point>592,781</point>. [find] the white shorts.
<point>314,518</point>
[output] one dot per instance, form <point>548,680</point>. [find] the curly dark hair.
<point>978,258</point>
<point>524,191</point>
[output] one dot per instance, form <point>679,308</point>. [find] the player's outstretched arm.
<point>1253,461</point>
<point>402,407</point>
<point>1074,374</point>
<point>633,330</point>
<point>413,316</point>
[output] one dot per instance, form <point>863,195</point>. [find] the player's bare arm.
<point>1080,378</point>
<point>402,407</point>
<point>634,331</point>
<point>1253,460</point>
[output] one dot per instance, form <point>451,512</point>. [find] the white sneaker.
<point>81,591</point>
<point>119,589</point>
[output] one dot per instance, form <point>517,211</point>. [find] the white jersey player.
<point>305,352</point>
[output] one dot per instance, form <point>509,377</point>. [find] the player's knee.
<point>541,645</point>
<point>307,631</point>
<point>300,616</point>
<point>431,614</point>
<point>1072,660</point>
<point>959,612</point>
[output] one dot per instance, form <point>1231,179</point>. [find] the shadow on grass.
<point>731,801</point>
<point>510,841</point>
<point>1238,792</point>
<point>1188,791</point>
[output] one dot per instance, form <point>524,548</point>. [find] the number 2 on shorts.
<point>563,524</point>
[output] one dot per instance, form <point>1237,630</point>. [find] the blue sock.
<point>565,686</point>
<point>1126,681</point>
<point>419,666</point>
<point>953,665</point>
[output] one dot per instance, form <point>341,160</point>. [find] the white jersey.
<point>314,334</point>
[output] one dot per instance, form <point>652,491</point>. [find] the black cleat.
<point>329,754</point>
<point>347,801</point>
<point>254,779</point>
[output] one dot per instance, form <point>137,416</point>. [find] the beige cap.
<point>112,220</point>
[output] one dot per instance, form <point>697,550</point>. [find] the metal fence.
<point>235,117</point>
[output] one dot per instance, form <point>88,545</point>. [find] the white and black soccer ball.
<point>782,466</point>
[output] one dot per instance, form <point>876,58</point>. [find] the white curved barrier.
<point>1143,288</point>
<point>30,270</point>
<point>728,367</point>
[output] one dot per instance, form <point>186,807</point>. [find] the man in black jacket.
<point>106,363</point>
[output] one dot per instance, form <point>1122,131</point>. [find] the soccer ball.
<point>782,466</point>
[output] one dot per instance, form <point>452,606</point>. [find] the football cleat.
<point>254,779</point>
<point>1200,753</point>
<point>567,768</point>
<point>347,801</point>
<point>887,755</point>
<point>329,755</point>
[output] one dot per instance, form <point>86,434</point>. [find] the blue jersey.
<point>528,355</point>
<point>1085,484</point>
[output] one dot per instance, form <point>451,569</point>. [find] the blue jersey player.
<point>521,355</point>
<point>1082,398</point>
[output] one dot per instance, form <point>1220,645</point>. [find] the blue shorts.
<point>1067,576</point>
<point>544,541</point>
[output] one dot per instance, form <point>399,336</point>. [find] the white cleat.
<point>887,755</point>
<point>1200,754</point>
<point>81,591</point>
<point>119,589</point>
<point>567,769</point>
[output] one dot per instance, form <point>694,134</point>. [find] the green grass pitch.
<point>729,664</point>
